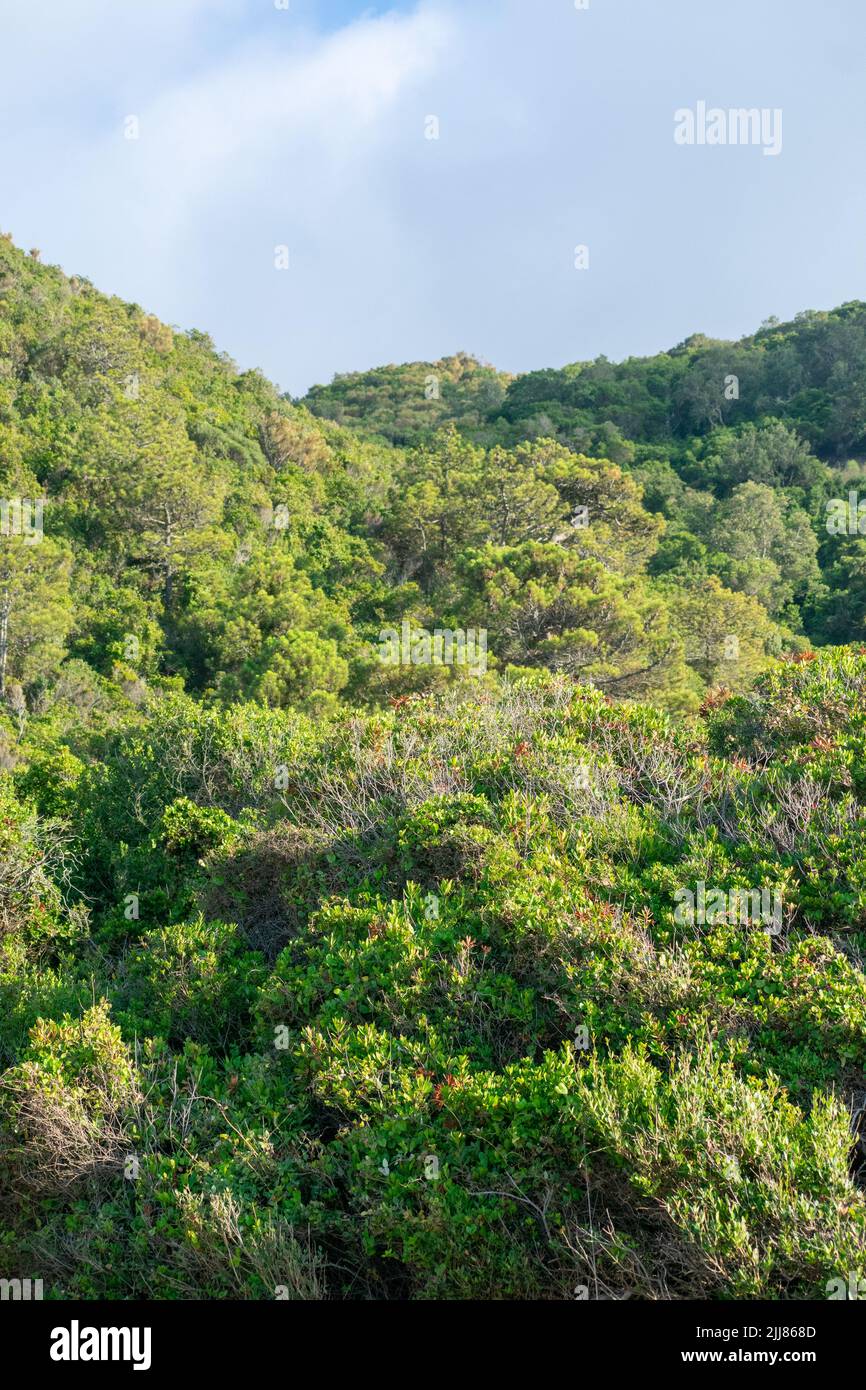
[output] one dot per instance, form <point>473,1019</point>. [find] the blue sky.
<point>305,127</point>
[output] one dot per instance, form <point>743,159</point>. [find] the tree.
<point>140,487</point>
<point>728,637</point>
<point>35,608</point>
<point>770,453</point>
<point>300,669</point>
<point>294,438</point>
<point>248,625</point>
<point>515,500</point>
<point>547,606</point>
<point>435,510</point>
<point>616,529</point>
<point>769,545</point>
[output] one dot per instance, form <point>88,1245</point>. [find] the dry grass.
<point>62,1142</point>
<point>220,1248</point>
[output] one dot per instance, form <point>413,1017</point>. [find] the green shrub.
<point>190,980</point>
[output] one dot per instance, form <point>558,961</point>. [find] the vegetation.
<point>324,977</point>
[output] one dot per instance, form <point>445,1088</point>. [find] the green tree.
<point>35,608</point>
<point>770,545</point>
<point>547,606</point>
<point>728,637</point>
<point>770,453</point>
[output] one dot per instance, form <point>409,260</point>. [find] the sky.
<point>307,128</point>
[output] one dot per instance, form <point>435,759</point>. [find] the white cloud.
<point>281,140</point>
<point>257,129</point>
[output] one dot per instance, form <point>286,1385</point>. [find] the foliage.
<point>324,977</point>
<point>419,1019</point>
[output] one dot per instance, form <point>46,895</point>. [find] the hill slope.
<point>199,527</point>
<point>809,373</point>
<point>424,872</point>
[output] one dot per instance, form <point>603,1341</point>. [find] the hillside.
<point>809,373</point>
<point>432,844</point>
<point>200,528</point>
<point>404,404</point>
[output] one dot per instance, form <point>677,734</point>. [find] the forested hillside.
<point>200,528</point>
<point>432,818</point>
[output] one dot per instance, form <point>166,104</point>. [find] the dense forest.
<point>432,817</point>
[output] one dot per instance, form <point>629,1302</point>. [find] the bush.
<point>419,1018</point>
<point>191,980</point>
